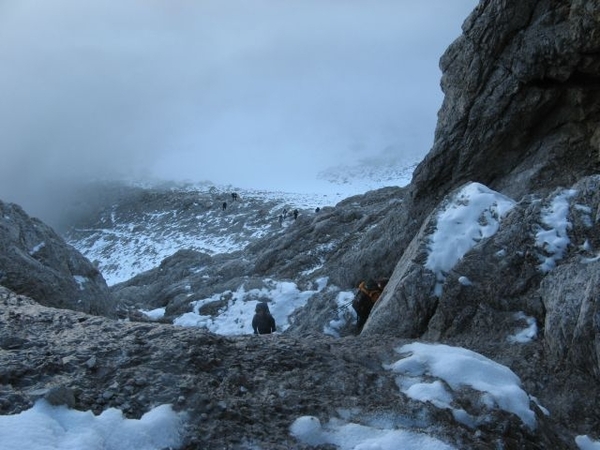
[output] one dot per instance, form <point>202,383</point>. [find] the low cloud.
<point>230,91</point>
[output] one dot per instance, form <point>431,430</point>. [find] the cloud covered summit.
<point>215,91</point>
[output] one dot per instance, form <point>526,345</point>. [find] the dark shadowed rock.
<point>37,262</point>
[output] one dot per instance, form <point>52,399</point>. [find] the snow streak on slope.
<point>137,234</point>
<point>130,239</point>
<point>236,317</point>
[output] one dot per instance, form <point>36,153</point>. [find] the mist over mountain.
<point>261,95</point>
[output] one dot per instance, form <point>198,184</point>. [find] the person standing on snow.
<point>263,322</point>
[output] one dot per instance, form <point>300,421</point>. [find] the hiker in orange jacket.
<point>366,297</point>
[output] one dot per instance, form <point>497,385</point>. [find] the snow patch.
<point>154,314</point>
<point>37,248</point>
<point>343,314</point>
<point>352,436</point>
<point>457,367</point>
<point>584,442</point>
<point>235,316</point>
<point>554,239</point>
<point>81,281</point>
<point>50,427</point>
<point>472,215</point>
<point>528,333</point>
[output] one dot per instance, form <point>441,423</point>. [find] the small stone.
<point>91,363</point>
<point>61,395</point>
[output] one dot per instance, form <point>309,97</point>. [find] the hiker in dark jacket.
<point>263,322</point>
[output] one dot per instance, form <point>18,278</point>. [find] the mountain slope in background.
<point>132,228</point>
<point>138,233</point>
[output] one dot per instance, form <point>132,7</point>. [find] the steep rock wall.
<point>35,261</point>
<point>521,115</point>
<point>522,100</point>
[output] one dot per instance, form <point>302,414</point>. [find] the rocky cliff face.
<point>35,261</point>
<point>522,95</point>
<point>520,115</point>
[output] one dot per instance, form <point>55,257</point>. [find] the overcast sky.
<point>254,93</point>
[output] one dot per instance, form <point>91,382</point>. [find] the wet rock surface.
<point>238,392</point>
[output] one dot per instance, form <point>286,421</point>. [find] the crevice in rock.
<point>430,314</point>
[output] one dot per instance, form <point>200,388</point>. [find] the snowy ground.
<point>427,373</point>
<point>124,246</point>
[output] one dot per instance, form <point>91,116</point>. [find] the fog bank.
<point>261,94</point>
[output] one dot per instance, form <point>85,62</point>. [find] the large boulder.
<point>541,262</point>
<point>35,261</point>
<point>572,322</point>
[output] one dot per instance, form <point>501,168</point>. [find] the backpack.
<point>371,289</point>
<point>368,293</point>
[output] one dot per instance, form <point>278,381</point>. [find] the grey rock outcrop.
<point>508,273</point>
<point>35,261</point>
<point>238,392</point>
<point>522,100</point>
<point>571,322</point>
<point>344,241</point>
<point>185,276</point>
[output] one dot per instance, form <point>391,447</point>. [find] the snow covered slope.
<point>135,235</point>
<point>149,223</point>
